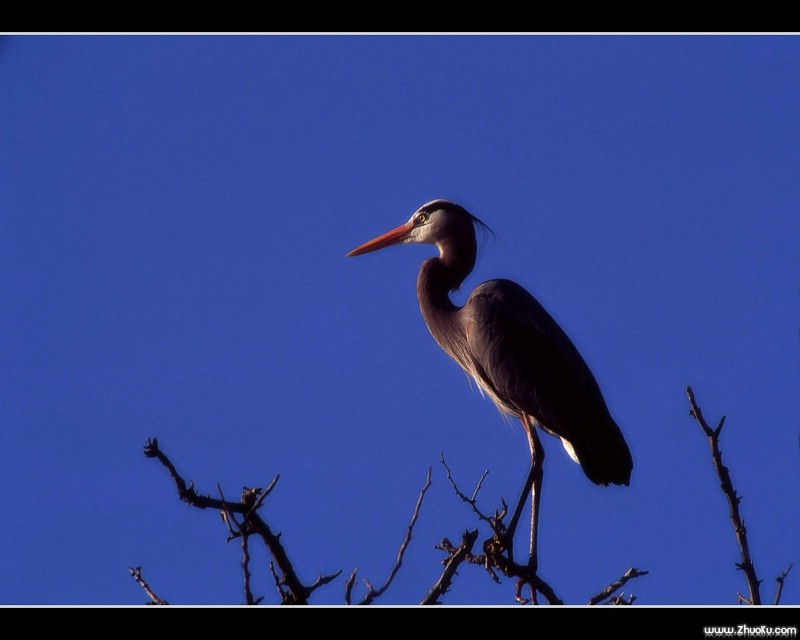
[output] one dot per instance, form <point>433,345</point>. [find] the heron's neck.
<point>439,276</point>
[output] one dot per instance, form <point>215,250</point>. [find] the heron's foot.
<point>520,598</point>
<point>504,543</point>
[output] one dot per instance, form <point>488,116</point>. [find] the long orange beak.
<point>391,237</point>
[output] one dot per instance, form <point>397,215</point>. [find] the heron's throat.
<point>439,276</point>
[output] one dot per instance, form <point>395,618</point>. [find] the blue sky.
<point>175,215</point>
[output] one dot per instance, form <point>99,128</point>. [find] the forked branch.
<point>779,580</point>
<point>746,564</point>
<point>292,590</point>
<point>610,590</point>
<point>136,574</point>
<point>496,555</point>
<point>456,555</point>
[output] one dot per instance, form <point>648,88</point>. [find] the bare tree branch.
<point>187,493</point>
<point>136,573</point>
<point>253,524</point>
<point>495,521</point>
<point>479,485</point>
<point>456,556</point>
<point>266,492</point>
<point>620,599</point>
<point>248,594</point>
<point>234,528</point>
<point>348,587</point>
<point>746,565</point>
<point>281,591</point>
<point>298,592</point>
<point>237,530</point>
<point>373,593</point>
<point>321,581</point>
<point>497,549</point>
<point>780,580</point>
<point>524,574</point>
<point>243,520</point>
<point>609,591</point>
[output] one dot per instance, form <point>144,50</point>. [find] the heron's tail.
<point>604,455</point>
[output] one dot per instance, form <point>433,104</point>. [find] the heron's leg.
<point>537,476</point>
<point>512,525</point>
<point>532,486</point>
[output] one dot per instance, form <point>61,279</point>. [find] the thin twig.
<point>238,530</point>
<point>472,502</point>
<point>136,573</point>
<point>746,565</point>
<point>285,597</point>
<point>348,587</point>
<point>609,591</point>
<point>265,493</point>
<point>620,599</point>
<point>248,594</point>
<point>780,580</point>
<point>321,581</point>
<point>234,528</point>
<point>479,485</point>
<point>373,593</point>
<point>456,557</point>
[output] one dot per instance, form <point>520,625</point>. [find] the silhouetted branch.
<point>248,595</point>
<point>243,520</point>
<point>266,492</point>
<point>780,580</point>
<point>321,581</point>
<point>456,555</point>
<point>187,493</point>
<point>609,591</point>
<point>136,573</point>
<point>373,593</point>
<point>348,586</point>
<point>525,575</point>
<point>234,528</point>
<point>494,558</point>
<point>620,599</point>
<point>495,521</point>
<point>298,592</point>
<point>479,485</point>
<point>496,547</point>
<point>252,524</point>
<point>746,565</point>
<point>284,596</point>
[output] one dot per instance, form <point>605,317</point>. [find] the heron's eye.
<point>422,218</point>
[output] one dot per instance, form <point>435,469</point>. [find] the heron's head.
<point>435,222</point>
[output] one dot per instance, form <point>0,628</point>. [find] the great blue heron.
<point>514,350</point>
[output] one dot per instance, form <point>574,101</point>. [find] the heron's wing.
<point>527,359</point>
<point>531,365</point>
